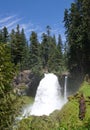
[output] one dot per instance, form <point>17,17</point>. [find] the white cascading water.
<point>65,89</point>
<point>48,97</point>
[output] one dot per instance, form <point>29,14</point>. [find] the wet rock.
<point>26,82</point>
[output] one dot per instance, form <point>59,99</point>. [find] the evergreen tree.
<point>51,52</point>
<point>46,46</point>
<point>86,34</point>
<point>5,35</point>
<point>60,45</point>
<point>1,36</point>
<point>44,50</point>
<point>24,58</point>
<point>52,64</point>
<point>48,28</point>
<point>54,40</point>
<point>18,47</point>
<point>77,31</point>
<point>6,75</point>
<point>34,51</point>
<point>13,46</point>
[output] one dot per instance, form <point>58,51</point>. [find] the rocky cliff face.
<point>26,82</point>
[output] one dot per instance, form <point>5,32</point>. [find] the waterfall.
<point>65,89</point>
<point>48,96</point>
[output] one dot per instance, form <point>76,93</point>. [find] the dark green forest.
<point>77,25</point>
<point>48,54</point>
<point>33,54</point>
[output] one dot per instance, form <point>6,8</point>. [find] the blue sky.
<point>34,15</point>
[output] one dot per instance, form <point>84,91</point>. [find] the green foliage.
<point>18,47</point>
<point>34,52</point>
<point>6,76</point>
<point>34,56</point>
<point>6,67</point>
<point>69,114</point>
<point>38,123</point>
<point>77,24</point>
<point>65,119</point>
<point>4,35</point>
<point>44,50</point>
<point>51,52</point>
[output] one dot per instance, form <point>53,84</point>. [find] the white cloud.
<point>26,26</point>
<point>36,28</point>
<point>4,20</point>
<point>11,22</point>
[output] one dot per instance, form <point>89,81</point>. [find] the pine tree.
<point>34,51</point>
<point>86,34</point>
<point>24,57</point>
<point>46,46</point>
<point>52,64</point>
<point>18,47</point>
<point>45,50</point>
<point>1,36</point>
<point>13,46</point>
<point>48,28</point>
<point>5,35</point>
<point>54,40</point>
<point>7,71</point>
<point>60,44</point>
<point>77,31</point>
